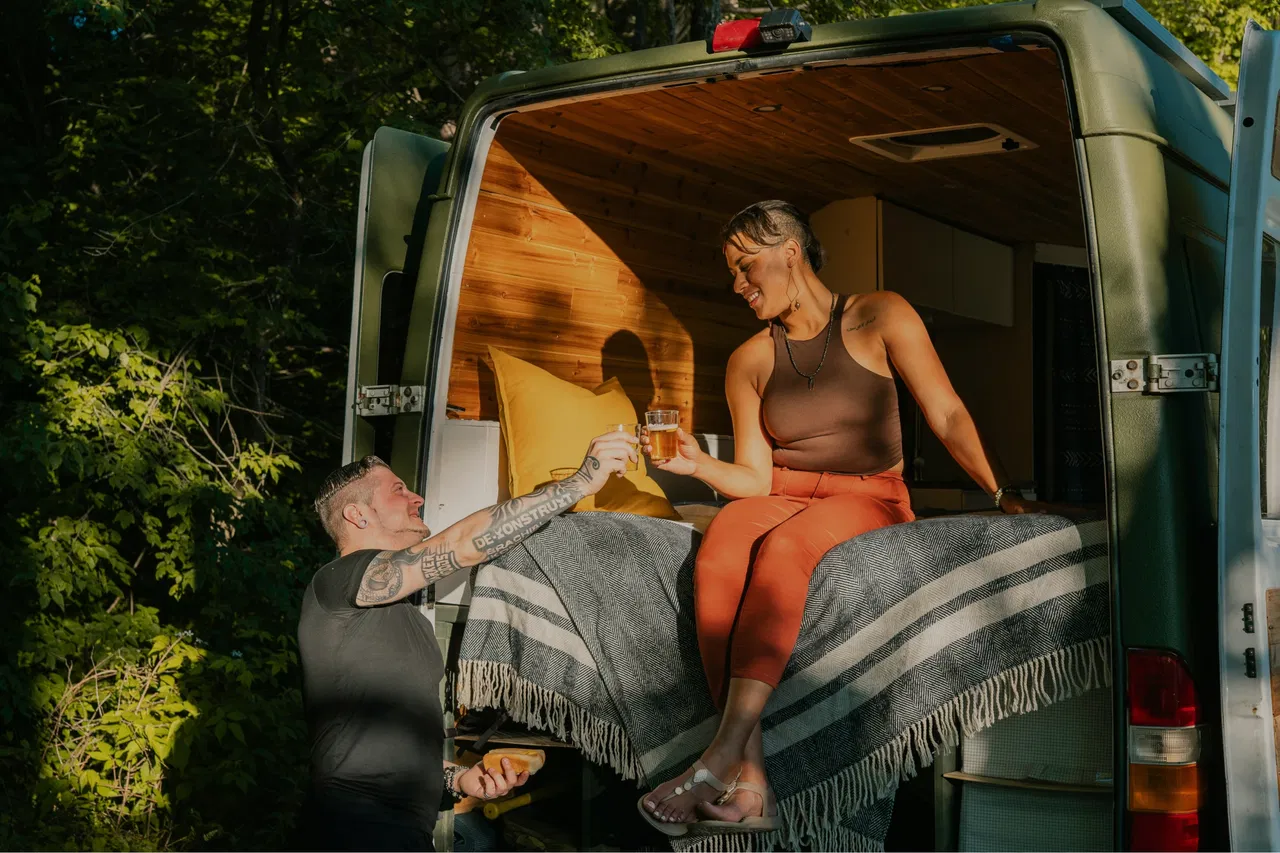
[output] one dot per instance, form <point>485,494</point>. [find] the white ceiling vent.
<point>935,143</point>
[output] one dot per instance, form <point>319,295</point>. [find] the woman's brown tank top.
<point>847,423</point>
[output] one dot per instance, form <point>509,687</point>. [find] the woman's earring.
<point>364,522</point>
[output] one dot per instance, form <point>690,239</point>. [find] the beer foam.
<point>661,427</point>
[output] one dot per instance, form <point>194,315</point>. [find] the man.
<point>371,666</point>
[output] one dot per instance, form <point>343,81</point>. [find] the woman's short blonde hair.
<point>772,223</point>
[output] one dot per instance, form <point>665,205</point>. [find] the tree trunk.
<point>705,17</point>
<point>640,37</point>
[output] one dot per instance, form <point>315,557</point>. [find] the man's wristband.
<point>452,793</point>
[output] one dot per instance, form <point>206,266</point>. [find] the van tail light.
<point>1165,786</point>
<point>1160,690</point>
<point>1149,831</point>
<point>1164,789</point>
<point>736,35</point>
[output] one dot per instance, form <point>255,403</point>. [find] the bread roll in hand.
<point>521,759</point>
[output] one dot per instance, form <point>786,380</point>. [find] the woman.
<point>818,461</point>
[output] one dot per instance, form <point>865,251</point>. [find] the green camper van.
<point>1084,214</point>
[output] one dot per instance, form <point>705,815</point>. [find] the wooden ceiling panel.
<point>802,151</point>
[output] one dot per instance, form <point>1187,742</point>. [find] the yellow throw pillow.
<point>547,424</point>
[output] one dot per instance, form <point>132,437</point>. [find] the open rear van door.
<point>1249,479</point>
<point>401,174</point>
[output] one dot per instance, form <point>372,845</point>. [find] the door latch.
<point>1165,374</point>
<point>375,400</point>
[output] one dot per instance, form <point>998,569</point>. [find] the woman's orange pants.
<point>753,567</point>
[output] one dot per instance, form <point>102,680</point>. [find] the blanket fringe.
<point>830,838</point>
<point>489,684</point>
<point>1065,674</point>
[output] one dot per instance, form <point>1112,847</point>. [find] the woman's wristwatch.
<point>1001,492</point>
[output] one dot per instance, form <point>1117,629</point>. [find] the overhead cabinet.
<point>876,245</point>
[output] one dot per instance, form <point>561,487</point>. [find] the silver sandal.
<point>765,822</point>
<point>701,776</point>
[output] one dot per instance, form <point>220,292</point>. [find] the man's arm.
<point>483,535</point>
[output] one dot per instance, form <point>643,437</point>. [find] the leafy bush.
<point>123,730</point>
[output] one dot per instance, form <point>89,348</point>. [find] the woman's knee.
<point>719,572</point>
<point>721,556</point>
<point>787,549</point>
<point>737,529</point>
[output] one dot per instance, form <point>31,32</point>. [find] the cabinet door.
<point>849,231</point>
<point>916,258</point>
<point>983,279</point>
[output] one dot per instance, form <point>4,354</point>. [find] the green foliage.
<point>178,196</point>
<point>111,740</point>
<point>131,464</point>
<point>1213,29</point>
<point>178,190</point>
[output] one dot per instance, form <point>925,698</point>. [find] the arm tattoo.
<point>381,581</point>
<point>384,579</point>
<point>433,558</point>
<point>512,522</point>
<point>508,524</point>
<point>862,325</point>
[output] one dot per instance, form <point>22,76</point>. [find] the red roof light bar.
<point>777,29</point>
<point>737,35</point>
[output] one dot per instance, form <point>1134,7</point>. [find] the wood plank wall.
<point>631,283</point>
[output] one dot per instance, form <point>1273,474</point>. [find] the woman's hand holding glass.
<point>687,453</point>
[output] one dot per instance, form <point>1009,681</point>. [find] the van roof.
<point>1032,15</point>
<point>1128,73</point>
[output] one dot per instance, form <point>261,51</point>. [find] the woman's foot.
<point>682,808</point>
<point>742,804</point>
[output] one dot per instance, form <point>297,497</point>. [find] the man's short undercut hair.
<point>772,223</point>
<point>342,487</point>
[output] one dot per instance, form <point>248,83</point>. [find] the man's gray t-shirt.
<point>371,677</point>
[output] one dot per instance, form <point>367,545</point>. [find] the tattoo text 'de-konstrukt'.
<point>516,519</point>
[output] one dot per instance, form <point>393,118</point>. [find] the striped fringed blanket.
<point>912,634</point>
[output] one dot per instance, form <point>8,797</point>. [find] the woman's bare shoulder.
<point>755,348</point>
<point>754,355</point>
<point>863,310</point>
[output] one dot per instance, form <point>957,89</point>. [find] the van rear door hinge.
<point>1165,374</point>
<point>374,400</point>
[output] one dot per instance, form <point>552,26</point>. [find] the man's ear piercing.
<point>364,522</point>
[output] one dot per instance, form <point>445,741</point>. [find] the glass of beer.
<point>662,424</point>
<point>634,429</point>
